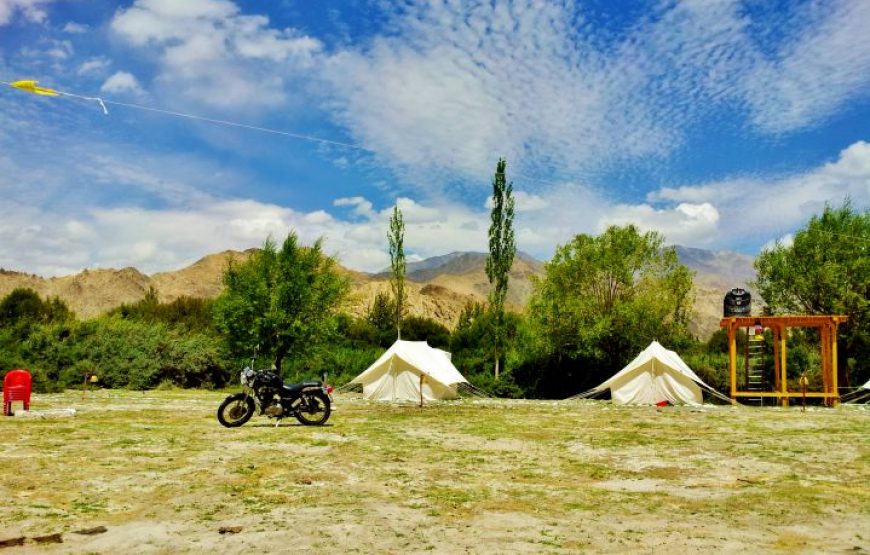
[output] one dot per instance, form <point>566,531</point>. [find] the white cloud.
<point>524,202</point>
<point>527,202</point>
<point>31,10</point>
<point>146,177</point>
<point>760,207</point>
<point>55,52</point>
<point>686,223</point>
<point>160,239</point>
<point>98,64</point>
<point>39,237</point>
<point>444,93</point>
<point>571,208</point>
<point>60,50</point>
<point>459,86</point>
<point>454,85</point>
<point>122,82</point>
<point>212,53</point>
<point>74,28</point>
<point>361,206</point>
<point>786,241</point>
<point>817,71</point>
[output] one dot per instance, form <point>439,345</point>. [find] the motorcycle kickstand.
<point>278,422</point>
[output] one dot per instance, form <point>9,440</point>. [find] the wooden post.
<point>834,366</point>
<point>803,392</point>
<point>825,343</point>
<point>777,378</point>
<point>783,369</point>
<point>732,356</point>
<point>421,389</point>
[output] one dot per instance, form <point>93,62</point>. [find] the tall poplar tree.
<point>502,249</point>
<point>396,237</point>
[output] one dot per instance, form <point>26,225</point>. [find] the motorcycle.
<point>264,392</point>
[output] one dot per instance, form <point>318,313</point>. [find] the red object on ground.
<point>662,403</point>
<point>17,386</point>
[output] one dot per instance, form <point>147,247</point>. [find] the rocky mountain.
<point>93,292</point>
<point>715,273</point>
<point>438,287</point>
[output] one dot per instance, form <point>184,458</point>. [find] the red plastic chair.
<point>17,386</point>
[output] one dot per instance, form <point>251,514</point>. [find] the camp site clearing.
<point>469,476</point>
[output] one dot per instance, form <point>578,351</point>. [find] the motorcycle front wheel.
<point>314,409</point>
<point>235,410</point>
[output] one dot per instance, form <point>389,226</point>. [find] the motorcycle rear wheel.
<point>314,409</point>
<point>235,410</point>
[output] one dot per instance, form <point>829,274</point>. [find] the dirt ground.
<point>487,476</point>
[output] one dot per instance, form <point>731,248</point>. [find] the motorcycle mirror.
<point>323,376</point>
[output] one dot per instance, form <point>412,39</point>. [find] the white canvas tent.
<point>656,374</point>
<point>395,376</point>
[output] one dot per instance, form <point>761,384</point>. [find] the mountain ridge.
<point>438,287</point>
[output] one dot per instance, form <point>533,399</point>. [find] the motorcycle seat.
<point>294,388</point>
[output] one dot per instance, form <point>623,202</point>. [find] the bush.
<point>505,386</point>
<point>124,354</point>
<point>190,312</point>
<point>418,328</point>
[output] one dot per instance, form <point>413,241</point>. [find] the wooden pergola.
<point>827,326</point>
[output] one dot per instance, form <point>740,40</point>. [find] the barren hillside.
<point>438,287</point>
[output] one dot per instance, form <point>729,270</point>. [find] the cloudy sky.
<point>723,124</point>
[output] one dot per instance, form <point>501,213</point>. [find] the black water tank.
<point>738,302</point>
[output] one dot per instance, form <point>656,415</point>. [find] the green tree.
<point>284,300</point>
<point>396,239</point>
<point>381,313</point>
<point>602,300</point>
<point>21,304</point>
<point>826,270</point>
<point>502,249</point>
<point>25,305</point>
<point>471,312</point>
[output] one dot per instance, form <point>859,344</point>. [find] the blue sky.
<point>723,124</point>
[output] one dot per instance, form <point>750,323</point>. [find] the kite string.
<point>95,98</point>
<point>103,103</point>
<point>235,124</point>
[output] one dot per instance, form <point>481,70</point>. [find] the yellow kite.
<point>31,87</point>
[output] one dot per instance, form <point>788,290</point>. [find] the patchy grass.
<point>158,470</point>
